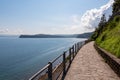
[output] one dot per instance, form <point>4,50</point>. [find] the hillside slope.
<point>108,36</point>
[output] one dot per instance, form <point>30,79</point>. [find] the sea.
<point>20,58</point>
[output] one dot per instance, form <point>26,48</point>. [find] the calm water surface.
<point>21,58</point>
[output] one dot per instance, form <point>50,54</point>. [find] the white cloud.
<point>10,31</point>
<point>90,19</point>
<point>3,30</point>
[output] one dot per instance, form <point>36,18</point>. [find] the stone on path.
<point>89,65</point>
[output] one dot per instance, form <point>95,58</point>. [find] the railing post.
<point>73,52</point>
<point>50,71</point>
<point>78,45</point>
<point>64,66</point>
<point>75,49</point>
<point>70,56</point>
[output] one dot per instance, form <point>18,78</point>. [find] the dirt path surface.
<point>89,65</point>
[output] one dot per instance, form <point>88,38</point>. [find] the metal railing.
<point>57,69</point>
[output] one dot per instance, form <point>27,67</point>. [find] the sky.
<point>51,16</point>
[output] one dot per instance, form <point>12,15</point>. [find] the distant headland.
<point>84,35</point>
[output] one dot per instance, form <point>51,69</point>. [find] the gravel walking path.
<point>89,65</point>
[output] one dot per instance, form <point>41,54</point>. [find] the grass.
<point>110,37</point>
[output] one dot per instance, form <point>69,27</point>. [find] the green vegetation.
<point>107,35</point>
<point>110,38</point>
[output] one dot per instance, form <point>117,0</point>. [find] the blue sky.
<point>43,16</point>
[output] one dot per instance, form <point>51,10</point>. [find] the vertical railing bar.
<point>70,56</point>
<point>75,49</point>
<point>73,52</point>
<point>50,71</point>
<point>64,66</point>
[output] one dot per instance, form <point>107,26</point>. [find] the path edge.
<point>110,59</point>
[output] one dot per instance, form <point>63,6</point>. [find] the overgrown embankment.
<point>107,35</point>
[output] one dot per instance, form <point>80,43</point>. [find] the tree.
<point>116,7</point>
<point>102,21</point>
<point>100,29</point>
<point>102,24</point>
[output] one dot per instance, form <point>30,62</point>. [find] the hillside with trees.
<point>107,35</point>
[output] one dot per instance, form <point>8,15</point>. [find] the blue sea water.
<point>20,58</point>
